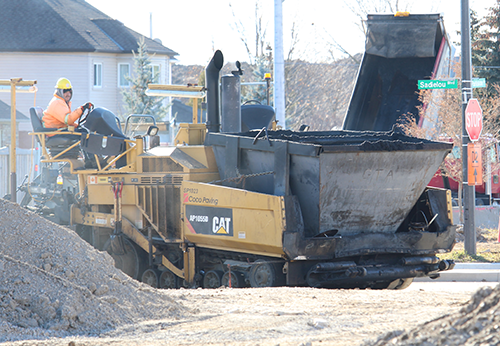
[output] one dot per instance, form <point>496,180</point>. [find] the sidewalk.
<point>485,272</point>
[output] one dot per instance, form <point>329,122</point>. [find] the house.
<point>182,113</point>
<point>23,126</point>
<point>44,40</point>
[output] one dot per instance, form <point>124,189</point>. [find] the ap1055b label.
<point>209,220</point>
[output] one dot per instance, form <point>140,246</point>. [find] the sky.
<point>196,28</point>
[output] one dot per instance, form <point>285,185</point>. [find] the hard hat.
<point>63,83</point>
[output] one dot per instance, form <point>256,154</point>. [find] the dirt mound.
<point>54,284</point>
<point>478,323</point>
<point>482,234</point>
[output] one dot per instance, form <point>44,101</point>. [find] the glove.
<point>88,105</point>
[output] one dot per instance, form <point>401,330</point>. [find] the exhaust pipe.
<point>212,84</point>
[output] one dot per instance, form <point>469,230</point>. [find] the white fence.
<point>26,162</point>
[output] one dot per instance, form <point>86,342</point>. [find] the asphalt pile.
<point>54,284</point>
<point>478,324</point>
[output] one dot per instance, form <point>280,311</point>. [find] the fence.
<point>26,162</point>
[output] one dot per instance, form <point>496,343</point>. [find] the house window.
<point>98,75</point>
<point>123,73</point>
<point>155,74</point>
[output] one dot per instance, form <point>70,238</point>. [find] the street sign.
<point>438,84</point>
<point>473,119</point>
<point>479,82</point>
<point>474,164</point>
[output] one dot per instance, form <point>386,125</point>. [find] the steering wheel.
<point>250,101</point>
<point>83,117</point>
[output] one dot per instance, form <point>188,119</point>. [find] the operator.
<point>58,113</point>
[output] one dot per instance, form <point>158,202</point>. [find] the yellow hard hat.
<point>63,83</point>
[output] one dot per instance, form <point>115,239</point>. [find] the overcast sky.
<point>195,28</point>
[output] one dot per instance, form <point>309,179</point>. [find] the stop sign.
<point>473,119</point>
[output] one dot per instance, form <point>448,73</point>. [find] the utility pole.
<point>151,25</point>
<point>469,192</point>
<point>279,64</point>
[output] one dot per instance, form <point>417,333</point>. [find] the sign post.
<point>469,192</point>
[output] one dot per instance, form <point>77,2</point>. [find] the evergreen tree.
<point>135,98</point>
<point>258,92</point>
<point>485,46</point>
<point>477,47</point>
<point>485,56</point>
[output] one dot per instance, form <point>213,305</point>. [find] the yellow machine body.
<point>232,219</point>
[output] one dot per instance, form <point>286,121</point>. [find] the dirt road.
<point>283,316</point>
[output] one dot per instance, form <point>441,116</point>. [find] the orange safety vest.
<point>58,114</point>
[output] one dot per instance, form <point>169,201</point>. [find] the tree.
<point>361,8</point>
<point>260,33</point>
<point>485,46</point>
<point>135,98</point>
<point>485,56</point>
<point>263,64</point>
<point>447,126</point>
<point>260,58</point>
<point>318,94</point>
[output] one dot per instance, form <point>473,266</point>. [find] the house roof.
<point>5,114</point>
<point>183,113</point>
<point>66,26</point>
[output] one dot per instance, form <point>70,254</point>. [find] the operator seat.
<point>255,117</point>
<point>103,122</point>
<point>105,137</point>
<point>56,143</point>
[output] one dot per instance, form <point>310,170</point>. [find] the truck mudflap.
<point>346,273</point>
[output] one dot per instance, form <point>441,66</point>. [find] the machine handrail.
<point>57,158</point>
<point>137,116</point>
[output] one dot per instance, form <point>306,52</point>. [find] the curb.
<point>469,272</point>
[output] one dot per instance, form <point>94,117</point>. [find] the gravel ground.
<point>55,289</point>
<point>52,283</point>
<point>478,323</point>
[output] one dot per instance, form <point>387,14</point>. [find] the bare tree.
<point>260,32</point>
<point>333,46</point>
<point>361,8</point>
<point>447,126</point>
<point>318,93</point>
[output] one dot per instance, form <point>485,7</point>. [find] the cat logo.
<point>221,225</point>
<point>212,221</point>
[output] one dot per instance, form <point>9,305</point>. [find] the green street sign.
<point>479,82</point>
<point>438,84</point>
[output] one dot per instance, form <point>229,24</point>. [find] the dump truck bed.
<point>399,52</point>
